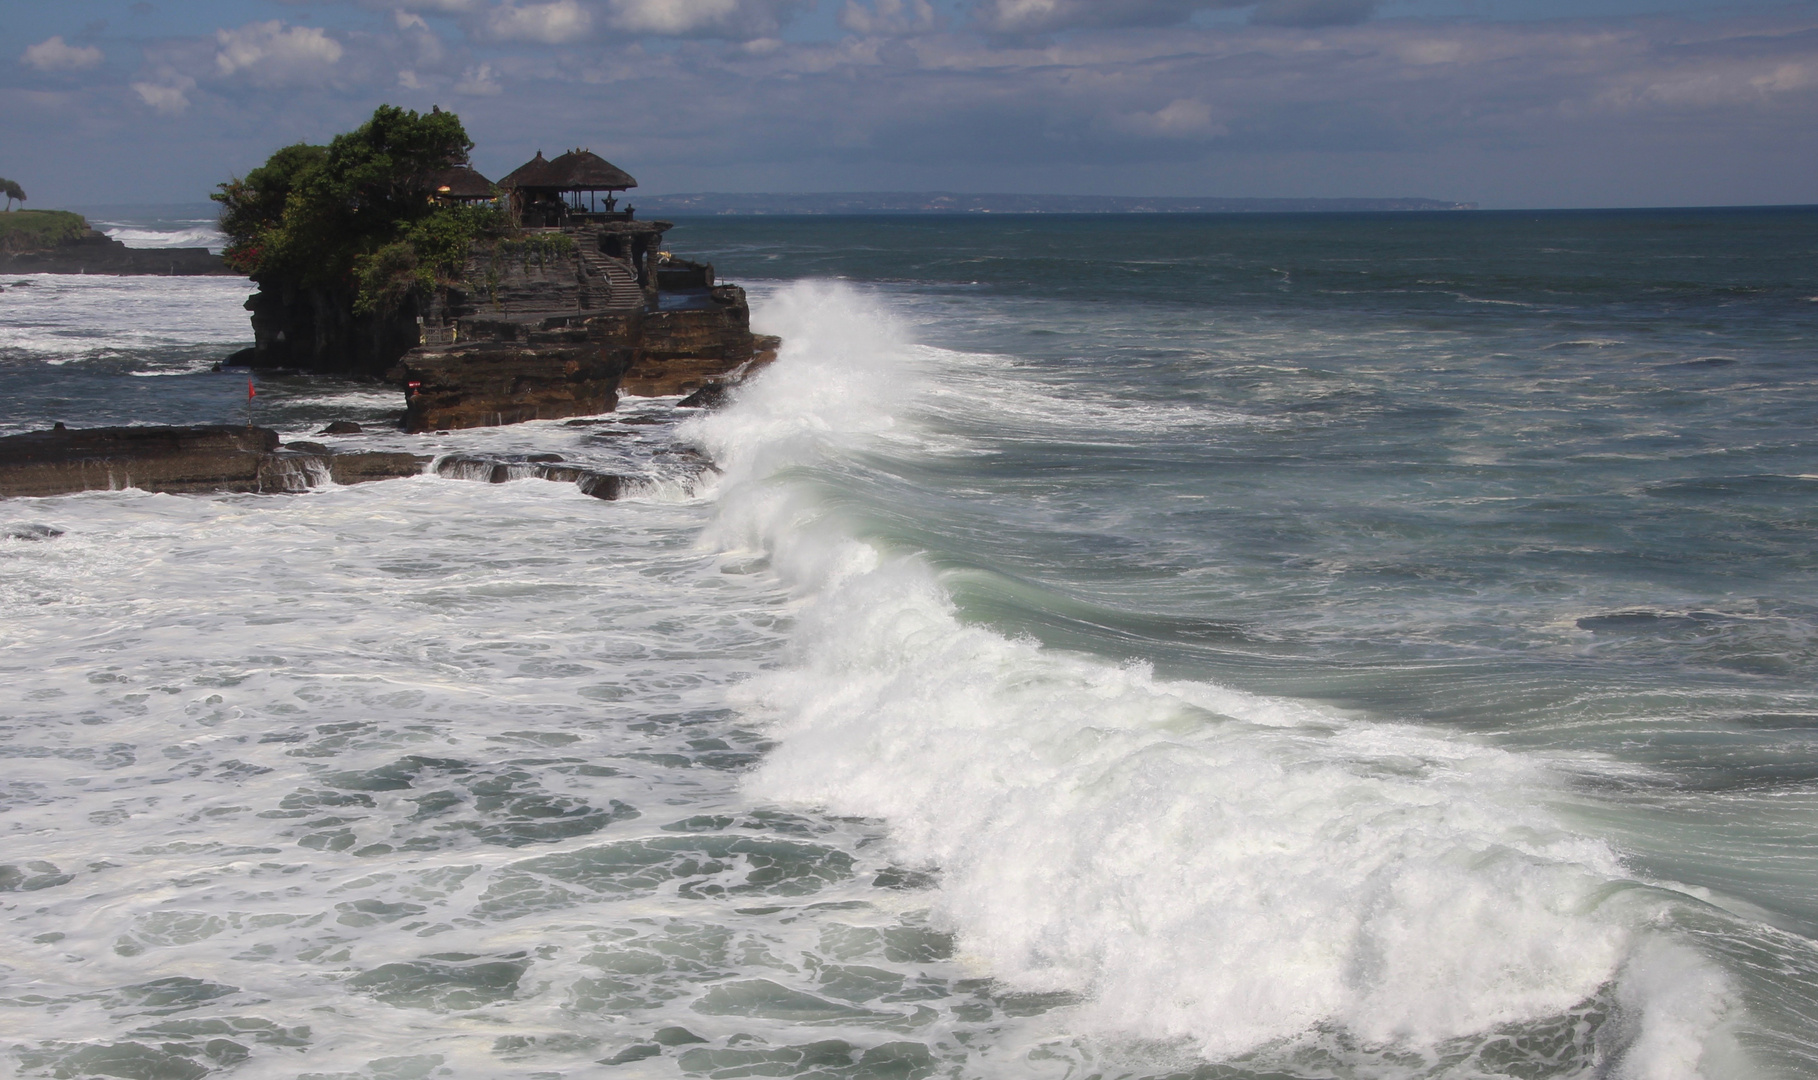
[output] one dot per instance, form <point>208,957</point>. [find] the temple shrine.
<point>580,303</point>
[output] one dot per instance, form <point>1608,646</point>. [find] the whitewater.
<point>1026,688</point>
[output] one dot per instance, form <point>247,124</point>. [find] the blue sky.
<point>1541,103</point>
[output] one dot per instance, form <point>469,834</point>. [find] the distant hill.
<point>60,242</point>
<point>39,230</point>
<point>946,202</point>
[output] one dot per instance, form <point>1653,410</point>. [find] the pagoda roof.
<point>458,182</point>
<point>577,170</point>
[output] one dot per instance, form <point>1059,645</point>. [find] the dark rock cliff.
<point>315,329</point>
<point>98,253</point>
<point>181,460</point>
<point>548,324</point>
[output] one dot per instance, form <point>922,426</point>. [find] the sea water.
<point>1137,646</point>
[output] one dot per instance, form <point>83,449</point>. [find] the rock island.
<point>385,255</point>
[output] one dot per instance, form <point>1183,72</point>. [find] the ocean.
<point>1101,647</point>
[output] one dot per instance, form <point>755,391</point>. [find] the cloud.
<point>740,20</point>
<point>554,23</point>
<point>1313,13</point>
<point>1020,17</point>
<point>56,55</point>
<point>437,7</point>
<point>272,54</point>
<point>1522,112</point>
<point>169,98</point>
<point>1182,118</point>
<point>887,17</point>
<point>478,82</point>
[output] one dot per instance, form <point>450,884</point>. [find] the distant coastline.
<point>947,202</point>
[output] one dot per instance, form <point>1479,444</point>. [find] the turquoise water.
<point>1317,646</point>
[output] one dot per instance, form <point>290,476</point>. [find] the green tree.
<point>253,206</point>
<point>319,216</point>
<point>12,190</point>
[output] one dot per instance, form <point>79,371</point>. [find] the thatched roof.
<point>534,173</point>
<point>577,170</point>
<point>584,170</point>
<point>458,182</point>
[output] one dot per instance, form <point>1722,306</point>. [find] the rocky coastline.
<point>93,252</point>
<point>226,458</point>
<point>553,323</point>
<point>182,460</point>
<point>384,256</point>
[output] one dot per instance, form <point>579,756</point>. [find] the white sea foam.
<point>195,235</point>
<point>1228,871</point>
<point>59,318</point>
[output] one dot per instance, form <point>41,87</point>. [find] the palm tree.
<point>12,190</point>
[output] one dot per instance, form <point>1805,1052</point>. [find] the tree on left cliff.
<point>12,190</point>
<point>353,218</point>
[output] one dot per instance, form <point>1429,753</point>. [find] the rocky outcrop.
<point>98,253</point>
<point>545,324</point>
<point>552,374</point>
<point>181,460</point>
<point>501,470</point>
<point>315,329</point>
<point>503,366</point>
<point>706,337</point>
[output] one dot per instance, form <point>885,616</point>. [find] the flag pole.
<point>250,393</point>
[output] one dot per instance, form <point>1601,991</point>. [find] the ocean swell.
<point>1229,873</point>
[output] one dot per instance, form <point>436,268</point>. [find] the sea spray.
<point>1229,871</point>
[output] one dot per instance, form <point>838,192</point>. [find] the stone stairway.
<point>621,292</point>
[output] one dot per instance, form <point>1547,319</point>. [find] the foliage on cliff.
<point>355,214</point>
<point>12,191</point>
<point>39,230</point>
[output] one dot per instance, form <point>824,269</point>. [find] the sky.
<point>1506,103</point>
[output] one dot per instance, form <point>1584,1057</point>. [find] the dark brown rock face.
<point>358,468</point>
<point>679,351</point>
<point>542,325</point>
<point>98,253</point>
<point>179,460</point>
<point>175,459</point>
<point>550,376</point>
<point>492,470</point>
<point>316,330</point>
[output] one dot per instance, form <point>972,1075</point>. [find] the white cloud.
<point>1046,16</point>
<point>1311,13</point>
<point>671,16</point>
<point>1019,17</point>
<point>550,24</point>
<point>273,54</point>
<point>888,17</point>
<point>437,7</point>
<point>408,80</point>
<point>737,19</point>
<point>1181,118</point>
<point>170,98</point>
<point>55,54</point>
<point>478,82</point>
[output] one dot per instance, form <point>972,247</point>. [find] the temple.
<point>580,302</point>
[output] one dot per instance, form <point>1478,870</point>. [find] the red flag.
<point>250,392</point>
